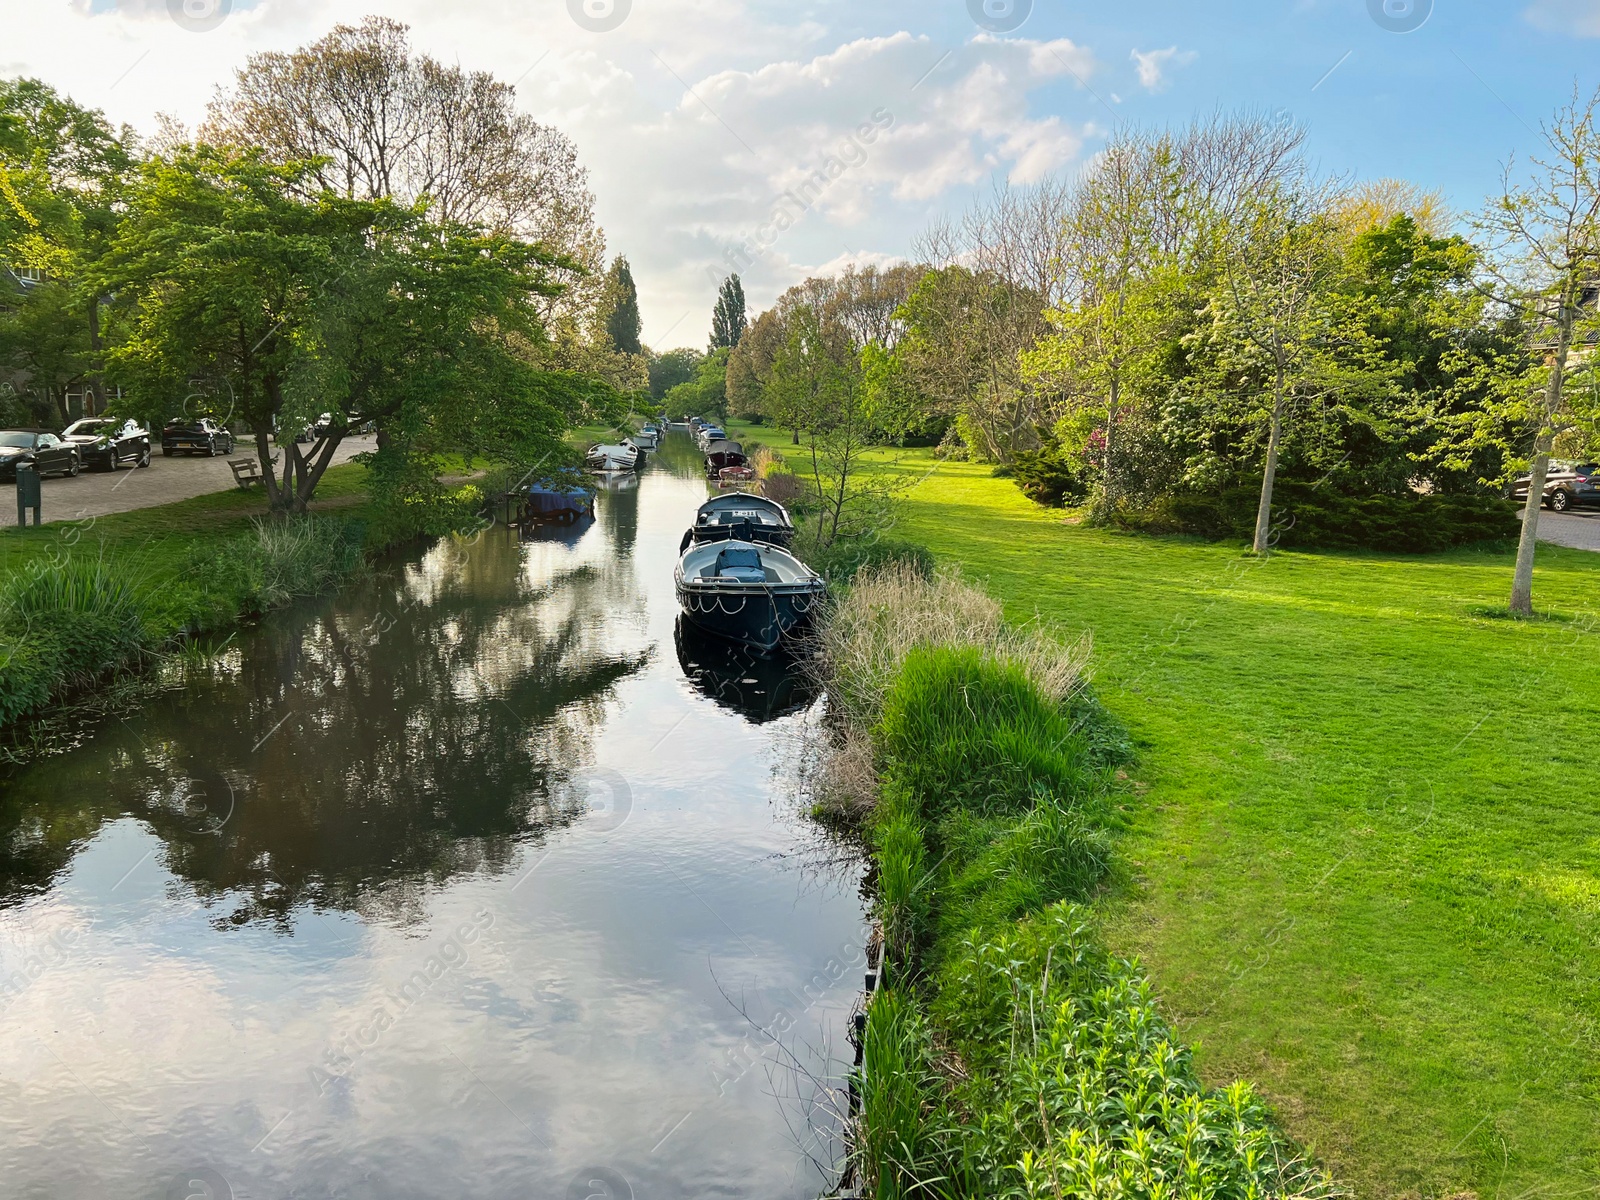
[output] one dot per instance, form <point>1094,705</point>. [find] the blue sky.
<point>696,117</point>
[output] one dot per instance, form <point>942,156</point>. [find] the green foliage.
<point>1307,516</point>
<point>1048,476</point>
<point>62,627</point>
<point>728,321</point>
<point>621,309</point>
<point>68,622</point>
<point>968,733</point>
<point>1079,1088</point>
<point>281,561</point>
<point>990,828</point>
<point>668,370</point>
<point>706,395</point>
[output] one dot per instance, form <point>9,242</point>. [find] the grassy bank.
<point>83,600</point>
<point>1008,1053</point>
<point>1363,863</point>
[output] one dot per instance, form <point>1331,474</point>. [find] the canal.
<point>479,879</point>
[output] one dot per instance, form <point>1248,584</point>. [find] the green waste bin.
<point>28,493</point>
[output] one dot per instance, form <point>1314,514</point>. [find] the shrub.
<point>1046,476</point>
<point>1307,517</point>
<point>1088,1090</point>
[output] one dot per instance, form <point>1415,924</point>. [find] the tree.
<point>704,395</point>
<point>670,369</point>
<point>62,172</point>
<point>290,307</point>
<point>1276,321</point>
<point>1113,264</point>
<point>1543,238</point>
<point>621,309</point>
<point>727,318</point>
<point>377,121</point>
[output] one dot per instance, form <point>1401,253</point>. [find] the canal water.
<point>480,879</point>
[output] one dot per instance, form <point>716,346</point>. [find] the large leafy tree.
<point>62,172</point>
<point>285,307</point>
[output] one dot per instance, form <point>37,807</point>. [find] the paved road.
<point>1580,530</point>
<point>97,493</point>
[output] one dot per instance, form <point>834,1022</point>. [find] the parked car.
<point>48,453</point>
<point>203,436</point>
<point>1566,486</point>
<point>108,443</point>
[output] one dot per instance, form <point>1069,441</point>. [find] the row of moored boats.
<point>737,576</point>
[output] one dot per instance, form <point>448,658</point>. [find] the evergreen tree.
<point>622,319</point>
<point>728,319</point>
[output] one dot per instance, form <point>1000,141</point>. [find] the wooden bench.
<point>247,471</point>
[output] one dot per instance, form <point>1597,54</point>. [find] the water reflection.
<point>208,909</point>
<point>423,727</point>
<point>759,687</point>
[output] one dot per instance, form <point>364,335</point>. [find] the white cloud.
<point>1581,17</point>
<point>1153,65</point>
<point>694,117</point>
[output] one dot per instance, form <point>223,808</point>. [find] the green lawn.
<point>163,541</point>
<point>1366,871</point>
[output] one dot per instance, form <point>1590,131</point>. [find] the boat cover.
<point>742,563</point>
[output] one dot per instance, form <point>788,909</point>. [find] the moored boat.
<point>722,454</point>
<point>735,476</point>
<point>563,505</point>
<point>747,592</point>
<point>607,458</point>
<point>741,516</point>
<point>647,438</point>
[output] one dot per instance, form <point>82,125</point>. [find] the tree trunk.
<point>1270,474</point>
<point>97,384</point>
<point>1522,579</point>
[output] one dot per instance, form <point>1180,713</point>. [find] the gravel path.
<point>98,493</point>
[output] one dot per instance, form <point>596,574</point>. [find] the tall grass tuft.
<point>281,561</point>
<point>65,627</point>
<point>969,733</point>
<point>896,1077</point>
<point>890,610</point>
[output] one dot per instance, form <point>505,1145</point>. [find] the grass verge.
<point>1008,1054</point>
<point>1365,873</point>
<point>83,601</point>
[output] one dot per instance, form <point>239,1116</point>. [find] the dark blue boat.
<point>555,504</point>
<point>747,592</point>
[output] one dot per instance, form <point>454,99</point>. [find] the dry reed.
<point>891,609</point>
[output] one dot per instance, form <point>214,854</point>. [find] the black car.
<point>108,443</point>
<point>48,453</point>
<point>203,436</point>
<point>1566,485</point>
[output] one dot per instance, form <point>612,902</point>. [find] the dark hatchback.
<point>48,454</point>
<point>1566,486</point>
<point>107,443</point>
<point>204,436</point>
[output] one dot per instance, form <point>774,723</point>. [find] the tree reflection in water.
<point>350,755</point>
